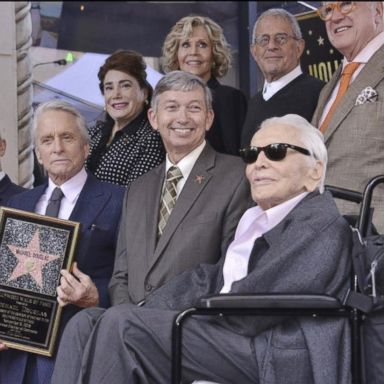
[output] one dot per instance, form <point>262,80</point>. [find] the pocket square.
<point>367,95</point>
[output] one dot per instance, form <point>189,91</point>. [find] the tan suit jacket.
<point>355,136</point>
<point>199,229</point>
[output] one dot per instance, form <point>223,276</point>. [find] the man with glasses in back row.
<point>277,47</point>
<point>350,112</point>
<point>294,241</point>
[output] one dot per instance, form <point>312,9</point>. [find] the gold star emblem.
<point>30,260</point>
<point>199,179</point>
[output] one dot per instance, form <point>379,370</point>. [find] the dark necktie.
<point>53,206</point>
<point>168,199</point>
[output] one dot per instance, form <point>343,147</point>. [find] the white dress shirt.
<point>270,89</point>
<point>252,225</point>
<point>363,57</point>
<point>71,190</point>
<point>2,175</point>
<point>185,165</point>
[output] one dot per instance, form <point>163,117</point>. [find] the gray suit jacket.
<point>308,252</point>
<point>199,229</point>
<point>355,136</point>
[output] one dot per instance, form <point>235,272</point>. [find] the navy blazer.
<point>98,209</point>
<point>8,189</point>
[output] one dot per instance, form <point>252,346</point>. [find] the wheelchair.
<point>363,304</point>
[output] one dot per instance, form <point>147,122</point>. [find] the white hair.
<point>285,15</point>
<point>60,105</point>
<point>310,137</point>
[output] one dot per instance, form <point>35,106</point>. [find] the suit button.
<point>148,287</point>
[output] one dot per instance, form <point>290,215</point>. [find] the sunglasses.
<point>274,152</point>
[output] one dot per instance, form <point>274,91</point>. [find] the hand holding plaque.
<point>78,289</point>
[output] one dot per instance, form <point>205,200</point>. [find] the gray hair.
<point>285,15</point>
<point>180,81</point>
<point>311,138</point>
<point>60,105</point>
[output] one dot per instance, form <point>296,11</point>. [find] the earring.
<point>146,102</point>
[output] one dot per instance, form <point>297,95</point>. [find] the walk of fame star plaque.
<point>33,250</point>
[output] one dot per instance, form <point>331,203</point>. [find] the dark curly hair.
<point>129,62</point>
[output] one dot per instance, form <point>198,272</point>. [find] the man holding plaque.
<point>62,144</point>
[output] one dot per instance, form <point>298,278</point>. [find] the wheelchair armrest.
<point>275,300</point>
<point>345,194</point>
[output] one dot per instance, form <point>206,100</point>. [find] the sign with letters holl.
<point>319,58</point>
<point>33,250</point>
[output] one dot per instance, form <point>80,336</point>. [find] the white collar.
<point>270,89</point>
<point>368,51</point>
<point>72,187</point>
<point>187,162</point>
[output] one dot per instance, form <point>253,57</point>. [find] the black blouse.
<point>230,107</point>
<point>134,150</point>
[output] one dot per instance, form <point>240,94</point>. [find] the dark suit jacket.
<point>230,106</point>
<point>308,252</point>
<point>8,189</point>
<point>199,229</point>
<point>355,136</point>
<point>98,209</point>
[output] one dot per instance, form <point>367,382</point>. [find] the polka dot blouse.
<point>135,149</point>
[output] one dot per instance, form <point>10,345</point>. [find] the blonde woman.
<point>196,44</point>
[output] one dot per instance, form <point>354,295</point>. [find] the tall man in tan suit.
<point>354,134</point>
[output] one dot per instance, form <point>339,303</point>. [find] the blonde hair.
<point>221,52</point>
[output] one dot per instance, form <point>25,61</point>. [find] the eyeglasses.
<point>274,152</point>
<point>325,12</point>
<point>279,39</point>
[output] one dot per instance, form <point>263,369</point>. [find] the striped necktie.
<point>169,197</point>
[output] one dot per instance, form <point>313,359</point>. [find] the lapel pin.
<point>199,179</point>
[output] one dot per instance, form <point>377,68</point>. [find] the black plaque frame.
<point>33,250</point>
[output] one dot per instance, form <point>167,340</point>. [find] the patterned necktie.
<point>168,199</point>
<point>53,206</point>
<point>344,83</point>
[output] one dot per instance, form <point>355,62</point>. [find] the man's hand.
<point>77,289</point>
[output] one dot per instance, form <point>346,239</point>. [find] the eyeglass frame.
<point>258,150</point>
<point>333,6</point>
<point>282,34</point>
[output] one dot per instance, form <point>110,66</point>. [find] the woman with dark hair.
<point>196,44</point>
<point>124,146</point>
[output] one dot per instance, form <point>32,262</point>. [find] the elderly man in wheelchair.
<point>293,240</point>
